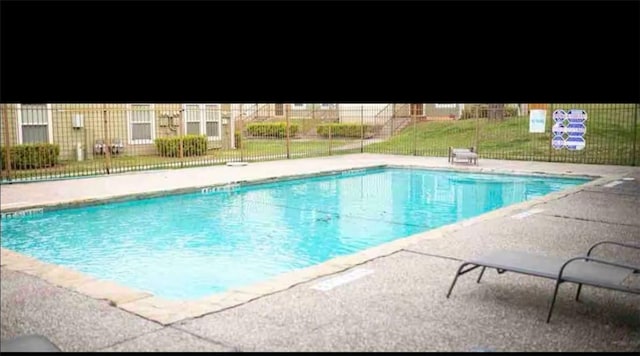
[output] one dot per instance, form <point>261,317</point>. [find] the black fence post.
<point>635,134</point>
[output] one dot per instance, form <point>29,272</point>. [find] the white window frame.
<point>326,106</point>
<point>185,124</point>
<point>153,125</point>
<point>298,106</point>
<point>203,120</point>
<point>49,123</point>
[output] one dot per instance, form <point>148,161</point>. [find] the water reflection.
<point>188,246</point>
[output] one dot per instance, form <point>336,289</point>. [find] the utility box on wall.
<point>79,152</point>
<point>77,121</point>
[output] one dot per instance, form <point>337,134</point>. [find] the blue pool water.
<point>192,245</point>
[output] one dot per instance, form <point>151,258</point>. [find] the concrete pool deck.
<point>398,306</point>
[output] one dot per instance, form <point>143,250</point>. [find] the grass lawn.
<point>252,150</point>
<point>609,138</point>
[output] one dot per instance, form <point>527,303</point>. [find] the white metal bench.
<point>468,155</point>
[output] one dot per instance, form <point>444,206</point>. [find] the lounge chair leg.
<point>578,294</point>
<point>455,279</point>
<point>553,301</point>
<point>481,273</point>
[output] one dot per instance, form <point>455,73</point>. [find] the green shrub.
<point>344,130</point>
<point>510,111</point>
<point>35,155</point>
<point>469,111</point>
<point>192,145</point>
<point>238,139</point>
<point>272,129</point>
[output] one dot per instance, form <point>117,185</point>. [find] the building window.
<point>192,118</point>
<point>34,123</point>
<point>445,106</point>
<point>279,109</point>
<point>299,106</point>
<point>417,109</point>
<point>203,119</point>
<point>212,121</point>
<point>141,124</point>
<point>326,106</point>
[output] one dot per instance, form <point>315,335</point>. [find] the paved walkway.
<point>399,306</point>
<point>21,195</point>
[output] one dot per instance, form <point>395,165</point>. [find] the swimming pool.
<point>191,245</point>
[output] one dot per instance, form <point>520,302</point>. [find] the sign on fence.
<point>569,128</point>
<point>537,120</point>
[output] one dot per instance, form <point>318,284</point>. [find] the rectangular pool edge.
<point>168,311</point>
<point>178,191</point>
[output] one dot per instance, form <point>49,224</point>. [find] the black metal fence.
<point>50,141</point>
